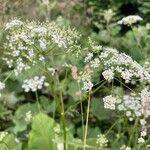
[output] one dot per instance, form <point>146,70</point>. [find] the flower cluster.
<point>102,141</point>
<point>130,104</point>
<point>28,116</point>
<point>120,64</point>
<point>37,83</point>
<point>12,24</point>
<point>29,42</point>
<point>109,102</point>
<point>129,20</point>
<point>136,105</point>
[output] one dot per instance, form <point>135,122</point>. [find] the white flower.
<point>128,148</point>
<point>108,75</point>
<point>52,71</point>
<point>141,140</point>
<point>145,101</point>
<point>95,63</point>
<point>101,140</point>
<point>143,122</point>
<point>24,47</point>
<point>88,57</point>
<point>128,113</point>
<point>87,85</point>
<point>126,75</point>
<point>42,43</point>
<point>59,40</point>
<point>28,116</point>
<point>13,23</point>
<point>124,147</point>
<point>2,85</point>
<point>41,31</point>
<point>143,133</point>
<point>129,20</point>
<point>109,102</point>
<point>37,83</point>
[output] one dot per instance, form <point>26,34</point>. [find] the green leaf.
<point>19,118</point>
<point>97,108</point>
<point>9,143</point>
<point>42,133</point>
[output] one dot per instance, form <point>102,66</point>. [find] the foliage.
<point>75,75</point>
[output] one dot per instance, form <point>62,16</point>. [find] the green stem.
<point>7,77</point>
<point>81,107</point>
<point>84,97</point>
<point>63,115</point>
<point>113,125</point>
<point>37,100</point>
<point>125,85</point>
<point>87,120</point>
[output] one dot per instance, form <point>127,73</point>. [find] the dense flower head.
<point>102,140</point>
<point>109,102</point>
<point>30,42</point>
<point>131,105</point>
<point>129,20</point>
<point>136,105</point>
<point>121,64</point>
<point>37,83</point>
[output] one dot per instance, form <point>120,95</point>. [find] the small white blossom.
<point>2,85</point>
<point>95,63</point>
<point>129,20</point>
<point>52,71</point>
<point>87,85</point>
<point>37,83</point>
<point>88,57</point>
<point>41,31</point>
<point>109,102</point>
<point>102,141</point>
<point>143,122</point>
<point>59,40</point>
<point>13,23</point>
<point>124,147</point>
<point>42,43</point>
<point>128,113</point>
<point>143,133</point>
<point>28,116</point>
<point>141,140</point>
<point>108,75</point>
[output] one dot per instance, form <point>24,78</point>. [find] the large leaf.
<point>19,118</point>
<point>42,134</point>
